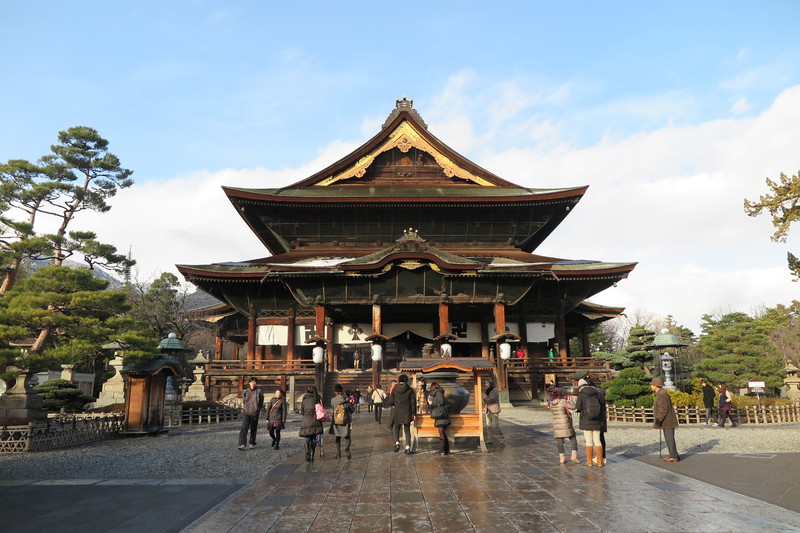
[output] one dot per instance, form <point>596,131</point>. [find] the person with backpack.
<point>590,409</point>
<point>342,419</point>
<point>561,408</point>
<point>311,426</point>
<point>404,411</point>
<point>378,399</point>
<point>440,415</point>
<point>664,418</point>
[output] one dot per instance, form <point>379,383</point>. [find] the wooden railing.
<point>202,415</point>
<point>780,414</point>
<point>239,366</point>
<point>59,432</point>
<point>539,364</point>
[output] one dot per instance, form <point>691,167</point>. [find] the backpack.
<point>593,407</point>
<point>340,415</point>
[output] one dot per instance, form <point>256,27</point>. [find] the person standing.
<point>491,411</point>
<point>404,410</point>
<point>310,426</point>
<point>601,396</point>
<point>343,429</point>
<point>439,408</point>
<point>378,397</point>
<point>725,406</point>
<point>708,400</point>
<point>664,418</point>
<point>590,409</point>
<point>422,397</point>
<point>561,408</point>
<point>370,390</point>
<point>277,410</point>
<point>252,404</point>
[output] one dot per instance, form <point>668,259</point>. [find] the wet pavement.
<point>517,486</point>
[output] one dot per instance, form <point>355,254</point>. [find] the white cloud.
<point>740,106</point>
<point>671,200</point>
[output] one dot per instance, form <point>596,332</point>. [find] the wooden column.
<point>500,327</point>
<point>444,318</point>
<point>251,339</point>
<point>290,323</point>
<point>218,345</point>
<point>377,326</point>
<point>587,345</point>
<point>561,335</point>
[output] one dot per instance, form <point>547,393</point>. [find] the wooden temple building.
<point>403,249</point>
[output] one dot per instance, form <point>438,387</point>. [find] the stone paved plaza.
<point>518,486</point>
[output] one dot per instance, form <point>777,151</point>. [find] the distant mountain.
<point>114,283</point>
<point>199,299</point>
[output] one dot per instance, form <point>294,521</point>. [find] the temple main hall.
<point>401,251</point>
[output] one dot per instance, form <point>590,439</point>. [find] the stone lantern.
<point>664,341</point>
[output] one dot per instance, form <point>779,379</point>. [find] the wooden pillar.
<point>587,345</point>
<point>251,339</point>
<point>444,318</point>
<point>561,335</point>
<point>290,335</point>
<point>377,326</point>
<point>484,338</point>
<point>218,345</point>
<point>500,327</point>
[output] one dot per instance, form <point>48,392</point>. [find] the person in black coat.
<point>277,410</point>
<point>591,427</point>
<point>311,427</point>
<point>436,397</point>
<point>403,412</point>
<point>708,400</point>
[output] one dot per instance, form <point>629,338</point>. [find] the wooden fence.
<point>780,414</point>
<point>202,415</point>
<point>59,432</point>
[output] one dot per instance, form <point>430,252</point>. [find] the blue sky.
<point>672,114</point>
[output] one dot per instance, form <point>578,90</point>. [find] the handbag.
<point>439,412</point>
<point>322,414</point>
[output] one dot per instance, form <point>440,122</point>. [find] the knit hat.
<point>582,382</point>
<point>657,382</point>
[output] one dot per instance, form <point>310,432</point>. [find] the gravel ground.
<point>210,451</point>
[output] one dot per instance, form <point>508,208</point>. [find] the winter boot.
<point>574,459</point>
<point>308,451</point>
<point>313,450</point>
<point>347,447</point>
<point>598,451</point>
<point>589,450</point>
<point>338,448</point>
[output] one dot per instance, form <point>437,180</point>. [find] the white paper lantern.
<point>505,351</point>
<point>318,354</point>
<point>447,350</point>
<point>377,352</point>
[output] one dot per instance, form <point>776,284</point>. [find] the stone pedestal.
<point>197,392</point>
<point>114,389</point>
<point>20,401</point>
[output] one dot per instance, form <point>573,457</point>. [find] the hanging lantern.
<point>318,354</point>
<point>505,351</point>
<point>377,352</point>
<point>447,350</point>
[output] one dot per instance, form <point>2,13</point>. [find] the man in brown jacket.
<point>665,418</point>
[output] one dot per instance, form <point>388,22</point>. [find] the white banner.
<point>466,331</point>
<point>352,333</point>
<point>272,335</point>
<point>511,327</point>
<point>540,331</point>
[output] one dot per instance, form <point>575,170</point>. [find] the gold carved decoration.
<point>411,265</point>
<point>404,138</point>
